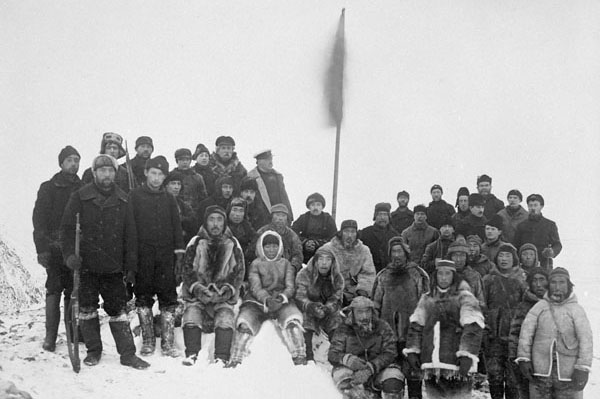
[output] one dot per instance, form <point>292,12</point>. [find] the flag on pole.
<point>334,88</point>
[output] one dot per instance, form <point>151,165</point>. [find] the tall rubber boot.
<point>415,389</point>
<point>147,327</point>
<point>223,337</point>
<point>119,327</point>
<point>497,391</point>
<point>192,339</point>
<point>167,327</point>
<point>52,321</point>
<point>308,337</point>
<point>90,329</point>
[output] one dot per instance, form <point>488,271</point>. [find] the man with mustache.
<point>111,144</point>
<point>377,235</point>
<point>555,345</point>
<point>225,163</point>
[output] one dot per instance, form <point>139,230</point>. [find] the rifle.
<point>72,313</point>
<point>130,177</point>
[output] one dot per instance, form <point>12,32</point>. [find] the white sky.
<point>436,92</point>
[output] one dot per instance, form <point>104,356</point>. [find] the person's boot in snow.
<point>52,321</point>
<point>90,328</point>
<point>167,328</point>
<point>308,336</point>
<point>119,327</point>
<point>223,337</point>
<point>299,361</point>
<point>239,349</point>
<point>67,301</point>
<point>192,339</point>
<point>147,327</point>
<point>392,388</point>
<point>415,390</point>
<point>294,339</point>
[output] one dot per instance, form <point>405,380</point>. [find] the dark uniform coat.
<point>376,238</point>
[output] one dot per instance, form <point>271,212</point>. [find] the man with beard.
<point>512,215</point>
<point>555,345</point>
<point>224,162</point>
<point>396,292</point>
<point>108,251</point>
<point>439,248</point>
<point>202,167</point>
<point>529,258</point>
<point>539,231</point>
<point>537,281</point>
<point>271,188</point>
<point>438,209</point>
<point>50,204</point>
<point>363,351</point>
<point>189,222</point>
<point>144,147</point>
<point>376,236</point>
<point>194,189</point>
<point>462,206</point>
<point>238,224</point>
<point>212,276</point>
<point>314,227</point>
<point>221,197</point>
<point>355,261</point>
<point>160,241</point>
<point>475,259</point>
<point>491,204</point>
<point>292,247</point>
<point>475,222</point>
<point>419,234</point>
<point>402,217</point>
<point>256,212</point>
<point>493,234</point>
<point>111,144</point>
<point>444,336</point>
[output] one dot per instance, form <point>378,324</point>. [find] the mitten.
<point>353,362</point>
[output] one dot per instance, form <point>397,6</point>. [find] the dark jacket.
<point>417,237</point>
<point>438,212</point>
<point>402,218</point>
<point>233,169</point>
<point>108,233</point>
<point>319,229</point>
<point>481,265</point>
<point>459,216</point>
<point>138,165</point>
<point>376,238</point>
<point>491,206</point>
<point>511,219</point>
<point>52,198</point>
<point>209,177</point>
<point>257,213</point>
<point>215,199</point>
<point>490,249</point>
<point>435,250</point>
<point>189,221</point>
<point>121,178</point>
<point>244,232</point>
<point>193,189</point>
<point>540,232</point>
<point>472,225</point>
<point>271,190</point>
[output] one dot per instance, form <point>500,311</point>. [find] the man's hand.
<point>464,365</point>
<point>203,294</point>
<point>354,362</point>
<point>579,379</point>
<point>74,262</point>
<point>274,304</point>
<point>223,295</point>
<point>526,369</point>
<point>414,361</point>
<point>361,376</point>
<point>548,253</point>
<point>130,277</point>
<point>316,309</point>
<point>44,259</point>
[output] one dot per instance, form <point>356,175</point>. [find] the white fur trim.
<point>194,284</point>
<point>522,359</point>
<point>406,351</point>
<point>583,368</point>
<point>179,251</point>
<point>285,298</point>
<point>474,358</point>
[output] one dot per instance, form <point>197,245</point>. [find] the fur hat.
<point>536,270</point>
<point>484,178</point>
<point>496,221</point>
<point>506,247</point>
<point>476,239</point>
<point>361,302</point>
<point>516,192</point>
<point>104,160</point>
<point>182,152</point>
<point>398,240</point>
<point>529,246</point>
<point>535,197</point>
<point>249,183</point>
<point>436,187</point>
<point>560,271</point>
<point>382,207</point>
<point>214,209</point>
<point>403,194</point>
<point>158,162</point>
<point>349,223</point>
<point>200,148</point>
<point>65,153</point>
<point>225,140</point>
<point>459,245</point>
<point>237,201</point>
<point>315,197</point>
<point>144,140</point>
<point>461,191</point>
<point>420,208</point>
<point>112,138</point>
<point>175,175</point>
<point>439,263</point>
<point>280,208</point>
<point>476,199</point>
<point>447,220</point>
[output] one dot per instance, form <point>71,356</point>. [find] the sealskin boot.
<point>192,339</point>
<point>125,346</point>
<point>167,339</point>
<point>223,337</point>
<point>414,389</point>
<point>147,327</point>
<point>308,337</point>
<point>52,321</point>
<point>90,328</point>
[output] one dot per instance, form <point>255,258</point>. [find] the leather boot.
<point>167,339</point>
<point>147,327</point>
<point>90,328</point>
<point>52,321</point>
<point>415,390</point>
<point>308,336</point>
<point>192,339</point>
<point>223,337</point>
<point>497,391</point>
<point>125,346</point>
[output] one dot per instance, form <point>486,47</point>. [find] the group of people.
<point>423,298</point>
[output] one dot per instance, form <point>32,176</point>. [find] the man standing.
<point>376,236</point>
<point>314,227</point>
<point>224,161</point>
<point>111,144</point>
<point>491,204</point>
<point>256,212</point>
<point>438,209</point>
<point>213,274</point>
<point>462,205</point>
<point>555,345</point>
<point>475,222</point>
<point>144,147</point>
<point>160,240</point>
<point>402,217</point>
<point>193,190</point>
<point>475,259</point>
<point>108,251</point>
<point>419,234</point>
<point>493,234</point>
<point>539,231</point>
<point>224,188</point>
<point>512,215</point>
<point>189,222</point>
<point>202,167</point>
<point>271,188</point>
<point>238,223</point>
<point>439,248</point>
<point>52,198</point>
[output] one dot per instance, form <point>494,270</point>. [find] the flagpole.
<point>336,169</point>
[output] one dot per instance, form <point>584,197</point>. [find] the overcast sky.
<point>436,92</point>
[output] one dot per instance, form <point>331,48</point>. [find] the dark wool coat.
<point>257,214</point>
<point>396,294</point>
<point>233,169</point>
<point>540,232</point>
<point>490,249</point>
<point>121,178</point>
<point>460,331</point>
<point>459,216</point>
<point>271,190</point>
<point>157,218</point>
<point>52,198</point>
<point>243,232</point>
<point>319,229</point>
<point>472,225</point>
<point>216,199</point>
<point>193,189</point>
<point>108,232</point>
<point>138,165</point>
<point>213,263</point>
<point>438,211</point>
<point>481,265</point>
<point>379,348</point>
<point>292,247</point>
<point>402,218</point>
<point>510,220</point>
<point>502,293</point>
<point>491,206</point>
<point>189,222</point>
<point>209,177</point>
<point>435,250</point>
<point>529,299</point>
<point>376,238</point>
<point>417,237</point>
